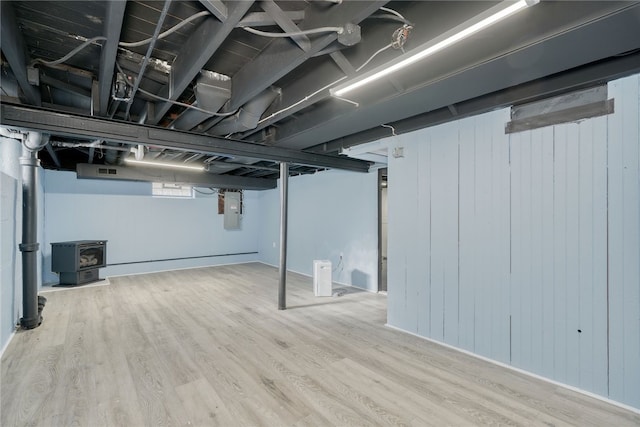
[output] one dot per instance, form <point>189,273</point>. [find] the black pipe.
<point>284,203</point>
<point>29,246</point>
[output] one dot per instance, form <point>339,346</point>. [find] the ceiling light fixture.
<point>164,165</point>
<point>449,38</point>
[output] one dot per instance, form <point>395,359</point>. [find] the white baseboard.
<point>522,371</point>
<point>311,276</point>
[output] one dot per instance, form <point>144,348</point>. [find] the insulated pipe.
<point>29,246</point>
<point>284,202</point>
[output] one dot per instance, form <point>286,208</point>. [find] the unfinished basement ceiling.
<point>196,83</point>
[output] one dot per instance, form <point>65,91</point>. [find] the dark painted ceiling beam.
<point>287,25</point>
<point>112,27</point>
<point>217,8</point>
<point>262,19</point>
<point>333,119</point>
<point>196,52</point>
<point>281,57</point>
<point>77,126</point>
<point>571,80</point>
<point>14,50</point>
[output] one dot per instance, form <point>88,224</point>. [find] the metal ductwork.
<point>212,91</point>
<point>249,114</point>
<point>32,304</point>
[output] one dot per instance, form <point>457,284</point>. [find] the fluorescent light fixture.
<point>164,165</point>
<point>451,37</point>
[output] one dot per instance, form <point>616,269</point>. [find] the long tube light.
<point>461,32</point>
<point>164,165</point>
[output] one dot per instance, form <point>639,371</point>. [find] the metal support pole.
<point>284,202</point>
<point>29,246</point>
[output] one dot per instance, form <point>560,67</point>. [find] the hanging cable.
<point>181,104</point>
<point>122,44</point>
<point>379,51</point>
<point>338,30</point>
<point>147,57</point>
<point>394,12</point>
<point>166,33</point>
<point>70,54</point>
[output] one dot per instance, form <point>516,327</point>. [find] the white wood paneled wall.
<point>524,248</point>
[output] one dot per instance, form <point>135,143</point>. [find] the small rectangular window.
<point>164,189</point>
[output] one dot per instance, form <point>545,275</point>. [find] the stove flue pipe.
<point>31,304</point>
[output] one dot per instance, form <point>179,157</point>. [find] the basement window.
<point>178,191</point>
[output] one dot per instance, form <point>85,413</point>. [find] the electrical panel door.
<point>232,202</point>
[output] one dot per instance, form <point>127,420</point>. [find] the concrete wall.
<point>524,248</point>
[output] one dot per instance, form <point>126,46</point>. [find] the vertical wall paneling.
<point>624,242</point>
<point>399,238</point>
<point>532,241</point>
<point>413,251</point>
<point>423,225</point>
<point>444,234</point>
<point>546,225</point>
<point>468,251</point>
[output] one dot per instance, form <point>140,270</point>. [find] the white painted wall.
<point>524,248</point>
<point>330,213</point>
<point>140,227</point>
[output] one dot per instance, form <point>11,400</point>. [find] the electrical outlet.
<point>341,255</point>
<point>274,244</point>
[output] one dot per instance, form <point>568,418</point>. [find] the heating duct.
<point>248,116</point>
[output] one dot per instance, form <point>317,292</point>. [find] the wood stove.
<point>78,261</point>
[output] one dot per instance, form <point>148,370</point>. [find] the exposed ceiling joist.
<point>217,8</point>
<point>76,126</point>
<point>338,118</point>
<point>112,27</point>
<point>263,19</point>
<point>280,56</point>
<point>14,50</point>
<point>560,83</point>
<point>284,22</point>
<point>198,49</point>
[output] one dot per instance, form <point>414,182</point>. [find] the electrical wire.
<point>122,44</point>
<point>301,100</point>
<point>165,33</point>
<point>394,12</point>
<point>70,54</point>
<point>181,104</point>
<point>252,30</point>
<point>379,51</point>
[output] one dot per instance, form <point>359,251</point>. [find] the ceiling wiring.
<point>252,30</point>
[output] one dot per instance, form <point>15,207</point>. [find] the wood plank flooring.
<point>208,347</point>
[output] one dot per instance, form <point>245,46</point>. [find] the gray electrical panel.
<point>232,201</point>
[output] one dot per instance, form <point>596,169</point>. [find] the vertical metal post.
<point>29,246</point>
<point>284,202</point>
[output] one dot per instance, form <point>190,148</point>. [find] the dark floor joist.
<point>13,48</point>
<point>197,51</point>
<point>281,56</point>
<point>112,28</point>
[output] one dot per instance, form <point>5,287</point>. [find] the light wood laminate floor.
<point>207,347</point>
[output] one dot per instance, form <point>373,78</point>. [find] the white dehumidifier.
<point>322,286</point>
